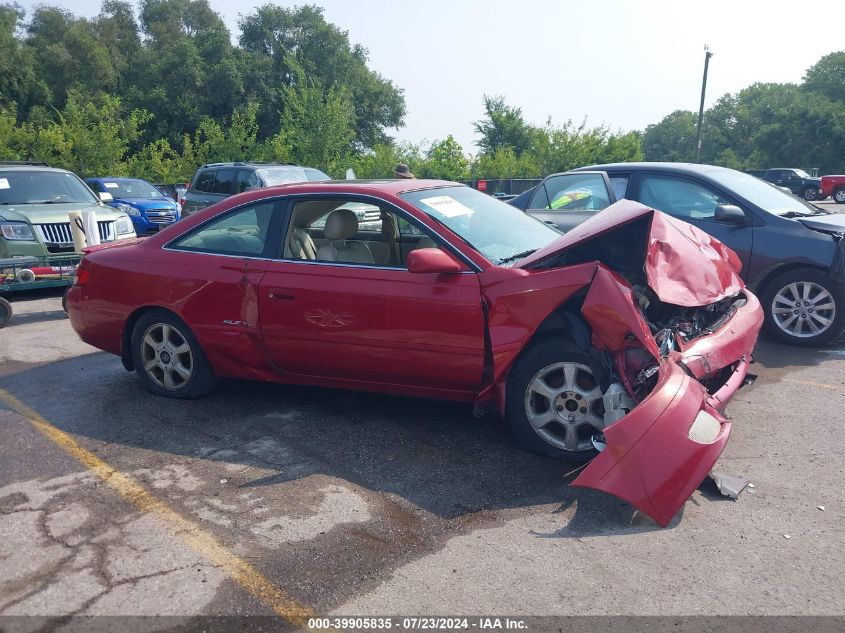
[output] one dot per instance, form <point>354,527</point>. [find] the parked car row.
<point>36,200</point>
<point>795,180</point>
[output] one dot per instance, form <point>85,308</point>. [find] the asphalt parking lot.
<point>265,499</point>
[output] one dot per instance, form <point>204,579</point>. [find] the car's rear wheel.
<point>810,193</point>
<point>839,196</point>
<point>168,359</point>
<point>804,307</point>
<point>554,403</point>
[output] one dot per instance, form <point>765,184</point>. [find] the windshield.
<point>765,195</point>
<point>285,175</point>
<point>132,189</point>
<point>802,174</point>
<point>499,231</point>
<point>43,187</point>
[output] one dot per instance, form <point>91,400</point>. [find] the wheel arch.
<point>761,283</point>
<point>129,325</point>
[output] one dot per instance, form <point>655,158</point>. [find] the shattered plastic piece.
<point>223,481</point>
<point>820,508</point>
<point>729,485</point>
<point>787,536</point>
<point>751,486</point>
<point>617,404</point>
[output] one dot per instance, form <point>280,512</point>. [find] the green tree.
<point>317,124</point>
<point>672,139</point>
<point>301,40</point>
<point>503,126</point>
<point>827,77</point>
<point>19,81</point>
<point>446,160</point>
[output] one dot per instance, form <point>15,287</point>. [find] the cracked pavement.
<point>367,504</point>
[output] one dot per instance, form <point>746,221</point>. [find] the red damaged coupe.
<point>620,342</point>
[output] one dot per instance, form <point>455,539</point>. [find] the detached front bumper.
<point>659,453</point>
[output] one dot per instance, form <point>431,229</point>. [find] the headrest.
<point>342,224</point>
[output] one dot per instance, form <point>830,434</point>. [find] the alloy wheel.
<point>810,193</point>
<point>563,404</point>
<point>839,196</point>
<point>167,356</point>
<point>803,309</point>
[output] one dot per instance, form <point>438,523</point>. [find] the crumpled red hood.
<point>684,265</point>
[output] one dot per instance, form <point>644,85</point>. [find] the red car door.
<point>373,322</point>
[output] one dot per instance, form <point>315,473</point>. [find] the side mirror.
<point>432,260</point>
<point>105,197</point>
<point>730,214</point>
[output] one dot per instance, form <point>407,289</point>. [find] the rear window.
<point>289,174</point>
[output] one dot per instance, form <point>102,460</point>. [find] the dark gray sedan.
<point>793,253</point>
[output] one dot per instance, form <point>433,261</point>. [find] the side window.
<point>242,232</point>
<point>205,181</point>
<point>225,182</point>
<point>681,198</point>
<point>351,232</point>
<point>576,192</point>
<point>620,186</point>
<point>540,200</point>
<point>246,180</point>
<point>408,229</point>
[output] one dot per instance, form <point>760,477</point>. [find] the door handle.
<point>282,294</point>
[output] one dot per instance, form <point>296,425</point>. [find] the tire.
<point>168,359</point>
<point>550,359</point>
<point>797,296</point>
<point>5,312</point>
<point>810,193</point>
<point>64,299</point>
<point>839,195</point>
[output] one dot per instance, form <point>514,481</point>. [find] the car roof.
<point>247,163</point>
<point>115,178</point>
<point>363,187</point>
<point>688,168</point>
<point>12,167</point>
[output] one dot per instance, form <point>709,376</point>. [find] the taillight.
<point>82,274</point>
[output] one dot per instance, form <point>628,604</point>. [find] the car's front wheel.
<point>168,359</point>
<point>554,402</point>
<point>810,193</point>
<point>839,196</point>
<point>804,307</point>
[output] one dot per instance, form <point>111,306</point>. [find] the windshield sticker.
<point>4,183</point>
<point>111,185</point>
<point>447,206</point>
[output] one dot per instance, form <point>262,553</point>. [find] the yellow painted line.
<point>808,383</point>
<point>192,534</point>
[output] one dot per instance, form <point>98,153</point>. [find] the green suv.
<point>34,203</point>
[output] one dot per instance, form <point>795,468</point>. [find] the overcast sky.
<point>623,64</point>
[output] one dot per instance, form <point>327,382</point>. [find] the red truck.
<point>833,186</point>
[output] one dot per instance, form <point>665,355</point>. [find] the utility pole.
<point>707,56</point>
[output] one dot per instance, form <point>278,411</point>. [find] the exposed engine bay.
<point>641,254</point>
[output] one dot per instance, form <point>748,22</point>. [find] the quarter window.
<point>620,186</point>
<point>247,180</point>
<point>205,182</point>
<point>225,182</point>
<point>243,232</point>
<point>678,197</point>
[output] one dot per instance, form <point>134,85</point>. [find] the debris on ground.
<point>820,508</point>
<point>729,485</point>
